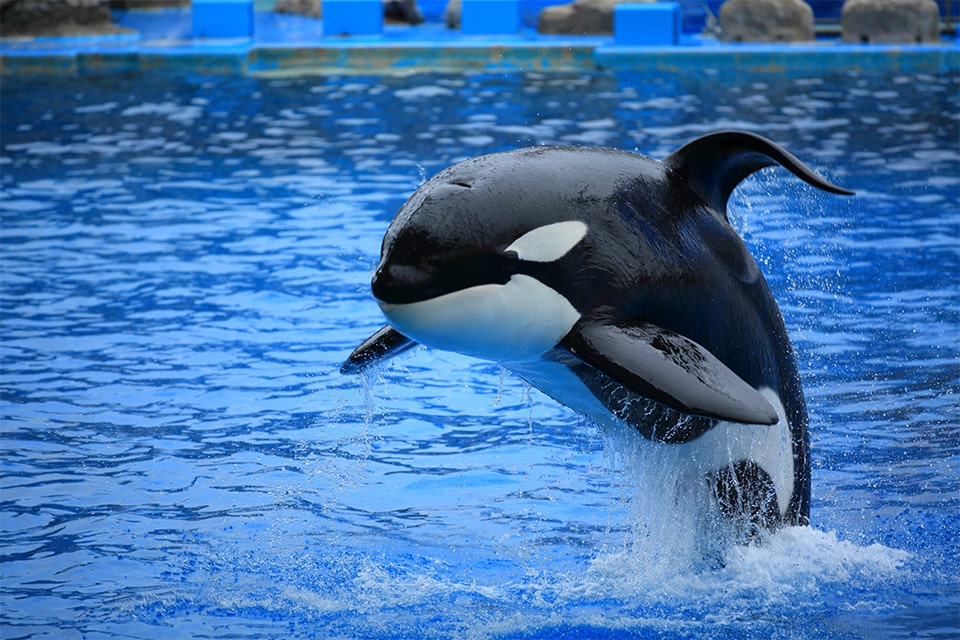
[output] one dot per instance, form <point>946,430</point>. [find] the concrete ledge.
<point>784,59</point>
<point>417,58</point>
<point>451,59</point>
<point>49,64</point>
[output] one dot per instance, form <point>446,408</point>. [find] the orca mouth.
<point>396,283</point>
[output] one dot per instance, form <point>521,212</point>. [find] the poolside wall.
<point>162,41</point>
<point>495,58</point>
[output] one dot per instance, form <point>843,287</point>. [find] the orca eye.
<point>549,242</point>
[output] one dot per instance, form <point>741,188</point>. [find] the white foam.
<point>791,563</point>
<point>802,555</point>
<point>794,570</point>
<point>425,92</point>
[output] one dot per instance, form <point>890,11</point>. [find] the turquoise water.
<point>184,264</point>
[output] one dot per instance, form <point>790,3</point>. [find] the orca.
<point>615,284</point>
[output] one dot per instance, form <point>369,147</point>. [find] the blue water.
<point>185,264</point>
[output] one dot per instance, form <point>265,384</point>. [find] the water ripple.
<point>186,261</point>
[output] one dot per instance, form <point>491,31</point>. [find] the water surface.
<point>185,263</point>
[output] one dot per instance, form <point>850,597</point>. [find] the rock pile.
<point>891,21</point>
<point>28,18</point>
<point>766,21</point>
<point>580,17</point>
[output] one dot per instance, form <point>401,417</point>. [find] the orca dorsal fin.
<point>714,164</point>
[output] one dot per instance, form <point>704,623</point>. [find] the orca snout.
<point>394,283</point>
<point>399,282</point>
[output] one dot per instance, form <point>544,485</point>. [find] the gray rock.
<point>310,8</point>
<point>394,11</point>
<point>558,18</point>
<point>28,18</point>
<point>580,17</point>
<point>451,15</point>
<point>147,4</point>
<point>402,12</point>
<point>766,21</point>
<point>891,21</point>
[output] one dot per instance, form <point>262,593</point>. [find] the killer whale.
<point>615,284</point>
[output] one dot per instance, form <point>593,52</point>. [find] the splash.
<point>673,519</point>
<point>800,583</point>
<point>792,562</point>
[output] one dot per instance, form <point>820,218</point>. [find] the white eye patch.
<point>549,242</point>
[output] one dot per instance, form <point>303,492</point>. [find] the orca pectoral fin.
<point>670,368</point>
<point>386,343</point>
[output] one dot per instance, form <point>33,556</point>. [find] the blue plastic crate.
<point>222,18</point>
<point>352,17</point>
<point>486,17</point>
<point>647,24</point>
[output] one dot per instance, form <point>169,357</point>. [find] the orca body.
<point>615,284</point>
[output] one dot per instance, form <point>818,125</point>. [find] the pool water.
<point>185,262</point>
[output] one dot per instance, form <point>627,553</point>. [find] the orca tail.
<point>714,164</point>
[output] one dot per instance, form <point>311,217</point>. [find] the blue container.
<point>641,24</point>
<point>352,17</point>
<point>485,17</point>
<point>222,18</point>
